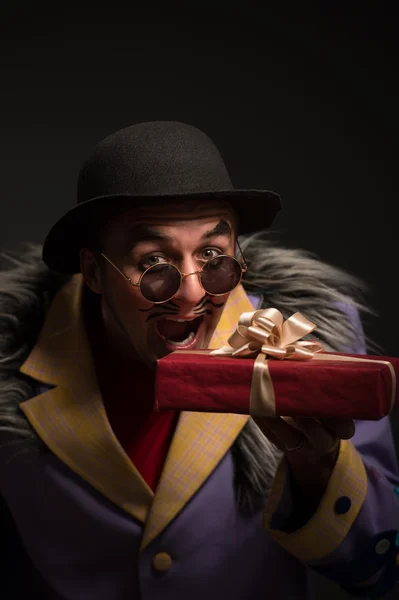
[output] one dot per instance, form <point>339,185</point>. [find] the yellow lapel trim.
<point>200,442</point>
<point>70,418</point>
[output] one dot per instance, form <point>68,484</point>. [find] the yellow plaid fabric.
<point>71,419</point>
<point>326,529</point>
<point>201,440</point>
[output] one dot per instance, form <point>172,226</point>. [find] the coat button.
<point>342,505</point>
<point>382,546</point>
<point>162,562</point>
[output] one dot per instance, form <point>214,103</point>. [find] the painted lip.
<point>191,344</point>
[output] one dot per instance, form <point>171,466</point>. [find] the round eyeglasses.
<point>160,282</point>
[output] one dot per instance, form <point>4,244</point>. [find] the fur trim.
<point>255,464</point>
<point>289,280</point>
<point>27,288</point>
<point>296,280</point>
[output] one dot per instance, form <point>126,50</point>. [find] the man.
<point>113,501</point>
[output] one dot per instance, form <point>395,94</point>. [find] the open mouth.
<point>177,332</point>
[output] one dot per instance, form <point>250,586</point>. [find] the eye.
<point>208,253</point>
<point>150,261</point>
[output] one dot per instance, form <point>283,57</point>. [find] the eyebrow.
<point>145,233</point>
<point>222,228</point>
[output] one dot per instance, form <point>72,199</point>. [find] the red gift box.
<point>328,385</point>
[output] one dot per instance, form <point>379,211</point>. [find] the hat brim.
<point>256,209</point>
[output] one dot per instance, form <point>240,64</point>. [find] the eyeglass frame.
<point>244,268</point>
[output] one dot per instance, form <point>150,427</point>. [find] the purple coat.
<point>94,531</point>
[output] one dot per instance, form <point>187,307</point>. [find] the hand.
<point>311,447</point>
<point>312,437</point>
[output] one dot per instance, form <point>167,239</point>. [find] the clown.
<point>105,499</point>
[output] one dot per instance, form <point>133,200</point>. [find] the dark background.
<point>300,98</point>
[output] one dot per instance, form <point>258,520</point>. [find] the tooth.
<point>176,320</point>
<point>183,342</point>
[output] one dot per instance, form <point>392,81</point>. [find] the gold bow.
<point>265,331</point>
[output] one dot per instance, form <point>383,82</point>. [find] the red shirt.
<point>127,387</point>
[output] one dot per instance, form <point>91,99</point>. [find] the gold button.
<point>162,562</point>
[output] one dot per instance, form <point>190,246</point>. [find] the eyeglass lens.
<point>160,283</point>
<point>220,275</point>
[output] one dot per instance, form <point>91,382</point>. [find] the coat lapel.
<point>200,442</point>
<point>71,420</point>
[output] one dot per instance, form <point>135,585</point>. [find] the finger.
<point>288,436</point>
<point>319,437</point>
<point>269,433</point>
<point>344,429</point>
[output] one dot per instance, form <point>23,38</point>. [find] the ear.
<point>90,270</point>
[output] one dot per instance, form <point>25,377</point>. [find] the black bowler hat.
<point>154,161</point>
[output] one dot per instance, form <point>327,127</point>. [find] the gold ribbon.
<point>264,333</point>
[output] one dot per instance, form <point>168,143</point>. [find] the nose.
<point>191,292</point>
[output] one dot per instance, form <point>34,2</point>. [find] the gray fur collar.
<point>289,280</point>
